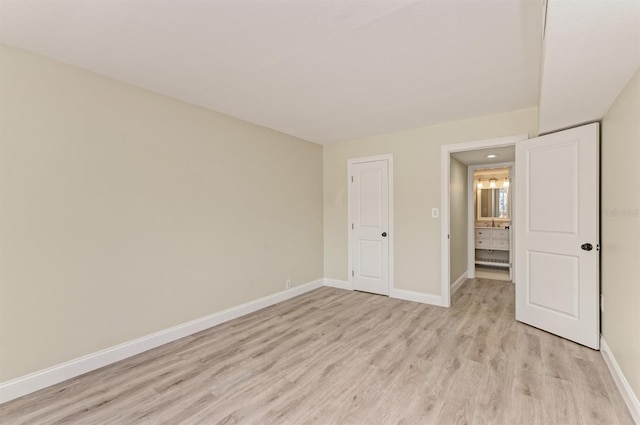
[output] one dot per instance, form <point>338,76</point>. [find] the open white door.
<point>557,246</point>
<point>369,198</point>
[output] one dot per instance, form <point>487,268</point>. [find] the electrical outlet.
<point>288,284</point>
<point>434,213</point>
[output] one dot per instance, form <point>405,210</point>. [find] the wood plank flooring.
<point>337,357</point>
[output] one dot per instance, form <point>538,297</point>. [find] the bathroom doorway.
<point>490,212</point>
<point>457,225</point>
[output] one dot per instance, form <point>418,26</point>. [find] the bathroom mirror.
<point>492,202</point>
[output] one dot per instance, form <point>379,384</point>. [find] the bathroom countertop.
<point>488,227</point>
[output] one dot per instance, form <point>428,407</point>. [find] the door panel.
<point>553,282</point>
<point>557,283</point>
<point>370,189</point>
<point>554,170</point>
<point>370,220</point>
<point>370,259</point>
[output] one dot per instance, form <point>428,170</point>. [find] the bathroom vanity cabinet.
<point>492,246</point>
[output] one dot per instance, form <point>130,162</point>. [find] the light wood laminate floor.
<point>337,357</point>
<point>492,273</point>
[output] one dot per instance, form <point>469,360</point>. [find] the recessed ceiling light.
<point>492,155</point>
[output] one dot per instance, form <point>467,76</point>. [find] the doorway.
<point>490,213</point>
<point>476,152</point>
<point>556,239</point>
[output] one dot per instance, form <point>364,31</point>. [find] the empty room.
<point>320,212</point>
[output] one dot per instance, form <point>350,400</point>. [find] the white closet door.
<point>370,226</point>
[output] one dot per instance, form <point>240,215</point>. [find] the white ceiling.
<point>322,70</point>
<point>591,51</point>
<point>479,156</point>
<point>497,173</point>
<point>335,70</point>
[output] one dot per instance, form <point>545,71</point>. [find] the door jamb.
<point>445,176</point>
<point>391,234</point>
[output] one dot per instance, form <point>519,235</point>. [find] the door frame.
<point>445,223</point>
<point>391,234</point>
<point>471,250</point>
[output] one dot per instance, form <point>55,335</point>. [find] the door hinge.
<point>353,273</point>
<point>351,179</point>
<point>352,226</point>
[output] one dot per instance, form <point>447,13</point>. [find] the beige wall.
<point>417,190</point>
<point>459,219</point>
<point>124,212</point>
<point>620,229</point>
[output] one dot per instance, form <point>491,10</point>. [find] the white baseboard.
<point>418,297</point>
<point>23,385</point>
<point>621,382</point>
<point>400,294</point>
<point>458,283</point>
<point>340,284</point>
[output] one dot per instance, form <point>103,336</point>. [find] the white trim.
<point>445,227</point>
<point>340,284</point>
<point>485,143</point>
<point>458,283</point>
<point>417,297</point>
<point>23,385</point>
<point>471,238</point>
<point>621,382</point>
<point>400,294</point>
<point>350,162</point>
